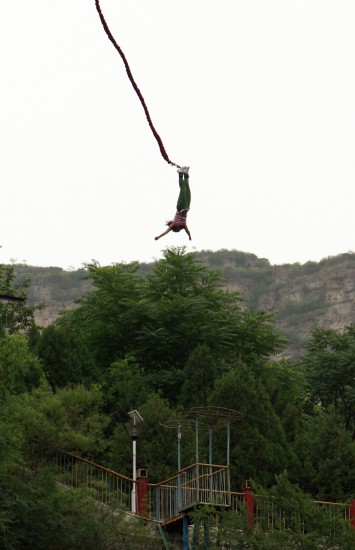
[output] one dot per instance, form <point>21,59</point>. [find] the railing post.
<point>352,513</point>
<point>157,503</point>
<point>142,497</point>
<point>249,501</point>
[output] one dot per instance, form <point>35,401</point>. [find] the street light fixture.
<point>133,429</point>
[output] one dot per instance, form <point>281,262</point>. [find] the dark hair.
<point>176,228</point>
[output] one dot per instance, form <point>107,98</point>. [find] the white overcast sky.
<point>257,96</point>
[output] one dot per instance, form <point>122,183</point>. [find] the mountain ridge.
<point>302,296</point>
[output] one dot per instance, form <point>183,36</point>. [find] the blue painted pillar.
<point>228,462</point>
<point>185,533</point>
<point>179,468</point>
<point>197,464</point>
<point>196,430</point>
<point>210,460</point>
<point>228,442</point>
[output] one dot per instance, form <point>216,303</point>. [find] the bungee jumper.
<point>182,206</point>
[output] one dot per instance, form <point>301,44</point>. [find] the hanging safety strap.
<point>137,90</point>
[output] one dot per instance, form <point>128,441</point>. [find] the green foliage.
<point>260,449</point>
<point>199,376</point>
<point>38,514</point>
<point>111,314</point>
<point>15,316</point>
<point>287,389</point>
<point>157,338</point>
<point>256,337</point>
<point>327,454</point>
<point>65,358</point>
<point>54,284</point>
<point>35,512</point>
<point>160,320</point>
<point>329,369</point>
<point>286,518</point>
<point>70,419</point>
<point>124,386</point>
<point>253,276</point>
<point>20,370</point>
<point>224,257</point>
<point>156,445</point>
<point>187,308</point>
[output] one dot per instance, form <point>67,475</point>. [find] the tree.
<point>37,513</point>
<point>188,308</point>
<point>156,446</point>
<point>160,320</point>
<point>199,376</point>
<point>15,316</point>
<point>20,370</point>
<point>288,392</point>
<point>65,358</point>
<point>287,518</point>
<point>124,387</point>
<point>259,448</point>
<point>71,419</point>
<point>329,370</point>
<point>327,455</point>
<point>110,316</point>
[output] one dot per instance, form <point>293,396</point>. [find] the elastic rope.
<point>137,90</point>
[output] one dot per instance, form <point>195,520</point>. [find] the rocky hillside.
<point>303,297</point>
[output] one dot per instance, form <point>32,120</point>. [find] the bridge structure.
<point>171,503</point>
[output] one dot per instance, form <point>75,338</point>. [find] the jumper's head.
<point>176,228</point>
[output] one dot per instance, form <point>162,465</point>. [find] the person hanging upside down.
<point>182,206</point>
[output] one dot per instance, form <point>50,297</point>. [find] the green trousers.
<point>184,195</point>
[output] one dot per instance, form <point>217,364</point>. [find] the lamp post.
<point>133,428</point>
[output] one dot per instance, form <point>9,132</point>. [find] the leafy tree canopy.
<point>15,316</point>
<point>260,449</point>
<point>20,369</point>
<point>65,357</point>
<point>162,318</point>
<point>329,369</point>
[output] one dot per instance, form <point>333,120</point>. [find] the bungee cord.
<point>137,90</point>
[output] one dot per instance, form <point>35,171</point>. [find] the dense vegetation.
<point>160,342</point>
<point>303,297</point>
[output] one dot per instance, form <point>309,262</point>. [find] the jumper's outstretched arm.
<point>188,232</point>
<point>171,226</point>
<point>165,232</point>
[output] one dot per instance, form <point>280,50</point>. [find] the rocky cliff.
<point>303,297</point>
<point>309,296</point>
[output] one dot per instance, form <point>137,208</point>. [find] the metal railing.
<point>107,486</point>
<point>270,514</point>
<point>197,484</point>
<point>274,515</point>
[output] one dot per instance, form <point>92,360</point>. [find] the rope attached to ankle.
<point>137,90</point>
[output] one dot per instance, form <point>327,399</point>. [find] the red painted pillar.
<point>142,496</point>
<point>352,513</point>
<point>249,501</point>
